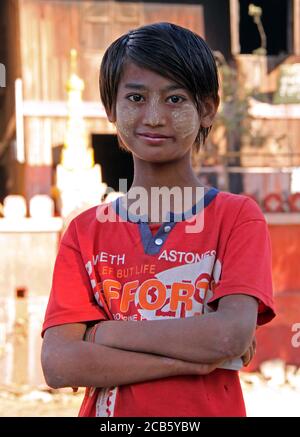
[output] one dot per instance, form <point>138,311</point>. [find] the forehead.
<point>134,75</point>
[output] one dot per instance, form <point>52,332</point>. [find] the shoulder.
<point>87,217</point>
<point>87,223</point>
<point>238,208</point>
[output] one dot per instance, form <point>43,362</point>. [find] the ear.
<point>209,110</point>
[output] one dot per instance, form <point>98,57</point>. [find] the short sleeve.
<point>246,265</point>
<point>71,299</point>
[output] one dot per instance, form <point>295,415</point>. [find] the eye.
<point>176,99</point>
<point>135,98</point>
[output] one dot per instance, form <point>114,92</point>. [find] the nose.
<point>154,113</point>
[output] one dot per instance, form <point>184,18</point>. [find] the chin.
<point>157,154</point>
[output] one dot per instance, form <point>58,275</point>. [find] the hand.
<point>250,352</point>
<point>87,333</point>
<point>197,368</point>
<point>205,369</point>
<point>90,333</point>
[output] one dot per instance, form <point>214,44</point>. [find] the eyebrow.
<point>138,86</point>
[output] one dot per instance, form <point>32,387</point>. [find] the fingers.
<point>205,369</point>
<point>249,354</point>
<point>246,358</point>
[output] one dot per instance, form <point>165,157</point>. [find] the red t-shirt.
<point>125,270</point>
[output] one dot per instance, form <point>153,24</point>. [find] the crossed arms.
<point>132,352</point>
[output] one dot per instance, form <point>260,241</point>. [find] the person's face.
<point>156,119</point>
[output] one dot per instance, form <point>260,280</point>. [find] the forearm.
<point>204,339</point>
<point>83,364</point>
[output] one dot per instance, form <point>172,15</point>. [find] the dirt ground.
<point>272,392</point>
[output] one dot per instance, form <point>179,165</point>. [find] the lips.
<point>152,135</point>
<point>153,139</point>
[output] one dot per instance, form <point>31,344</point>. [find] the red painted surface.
<point>275,339</point>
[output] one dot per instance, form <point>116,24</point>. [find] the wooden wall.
<point>274,137</point>
<point>10,57</point>
<point>12,172</point>
<point>49,30</point>
<point>279,138</point>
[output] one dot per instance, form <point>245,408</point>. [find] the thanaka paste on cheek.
<point>185,120</point>
<point>125,120</point>
<point>127,115</point>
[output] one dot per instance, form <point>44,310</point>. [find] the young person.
<point>145,312</point>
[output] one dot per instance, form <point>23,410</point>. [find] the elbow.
<point>238,346</point>
<point>236,342</point>
<point>52,378</point>
<point>52,381</point>
<point>52,370</point>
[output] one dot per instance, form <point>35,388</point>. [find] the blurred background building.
<point>253,149</point>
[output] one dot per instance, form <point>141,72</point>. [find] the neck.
<point>178,174</point>
<point>170,174</point>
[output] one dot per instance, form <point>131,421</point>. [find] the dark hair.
<point>169,50</point>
